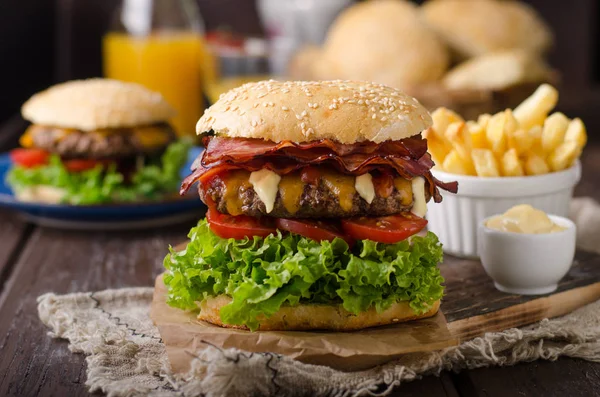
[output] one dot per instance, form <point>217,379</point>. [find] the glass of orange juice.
<point>159,44</point>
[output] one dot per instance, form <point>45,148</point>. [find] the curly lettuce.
<point>262,274</point>
<point>102,185</point>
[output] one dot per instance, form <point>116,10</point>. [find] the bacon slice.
<point>241,150</point>
<point>408,157</point>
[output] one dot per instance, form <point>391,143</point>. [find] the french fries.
<point>511,166</point>
<point>536,165</point>
<point>495,133</point>
<point>553,134</point>
<point>525,141</point>
<point>485,162</point>
<point>535,108</point>
<point>455,164</point>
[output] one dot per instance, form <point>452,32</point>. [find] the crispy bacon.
<point>241,150</point>
<point>310,175</point>
<point>384,184</point>
<point>408,157</point>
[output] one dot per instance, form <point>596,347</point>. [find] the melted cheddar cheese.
<point>404,187</point>
<point>341,186</point>
<point>291,189</point>
<point>235,184</point>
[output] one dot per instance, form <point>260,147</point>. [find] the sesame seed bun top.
<point>301,111</point>
<point>96,104</point>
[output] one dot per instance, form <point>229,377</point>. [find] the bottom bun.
<point>40,194</point>
<point>305,317</point>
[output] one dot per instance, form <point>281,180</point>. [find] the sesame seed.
<point>254,123</point>
<point>374,116</point>
<point>299,117</point>
<point>361,102</point>
<point>285,108</point>
<point>310,131</point>
<point>303,125</point>
<point>383,118</point>
<point>261,95</point>
<point>303,114</point>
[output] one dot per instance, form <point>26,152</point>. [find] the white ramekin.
<point>456,218</point>
<point>527,264</point>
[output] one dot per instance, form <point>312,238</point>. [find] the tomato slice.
<point>386,229</point>
<point>238,227</point>
<point>79,165</point>
<point>313,229</point>
<point>29,158</point>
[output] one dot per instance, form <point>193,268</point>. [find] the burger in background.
<point>315,192</point>
<point>97,141</point>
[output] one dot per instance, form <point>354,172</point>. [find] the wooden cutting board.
<point>471,307</point>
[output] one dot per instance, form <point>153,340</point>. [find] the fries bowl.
<point>456,218</point>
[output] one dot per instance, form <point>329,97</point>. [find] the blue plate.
<point>106,216</point>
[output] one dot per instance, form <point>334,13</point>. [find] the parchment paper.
<point>182,334</point>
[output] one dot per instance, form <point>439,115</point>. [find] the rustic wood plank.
<point>61,262</point>
<point>13,234</point>
<point>430,386</point>
<point>565,377</point>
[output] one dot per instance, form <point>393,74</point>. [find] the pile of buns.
<point>452,44</point>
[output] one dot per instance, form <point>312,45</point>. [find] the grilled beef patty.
<point>122,142</point>
<point>316,201</point>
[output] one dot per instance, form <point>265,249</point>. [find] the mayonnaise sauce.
<point>525,219</point>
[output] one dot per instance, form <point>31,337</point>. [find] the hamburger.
<point>315,193</point>
<point>94,142</point>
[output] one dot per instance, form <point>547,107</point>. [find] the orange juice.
<point>170,63</point>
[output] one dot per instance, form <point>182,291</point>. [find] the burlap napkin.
<point>126,356</point>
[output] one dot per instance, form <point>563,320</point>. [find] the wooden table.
<point>35,260</point>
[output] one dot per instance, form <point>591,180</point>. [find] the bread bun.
<point>384,41</point>
<point>96,104</point>
<point>498,71</point>
<point>40,194</point>
<point>305,317</point>
<point>473,28</point>
<point>344,111</point>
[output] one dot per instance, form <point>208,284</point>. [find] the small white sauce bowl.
<point>527,264</point>
<point>455,219</point>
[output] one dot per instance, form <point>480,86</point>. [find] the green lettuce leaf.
<point>103,185</point>
<point>261,274</point>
